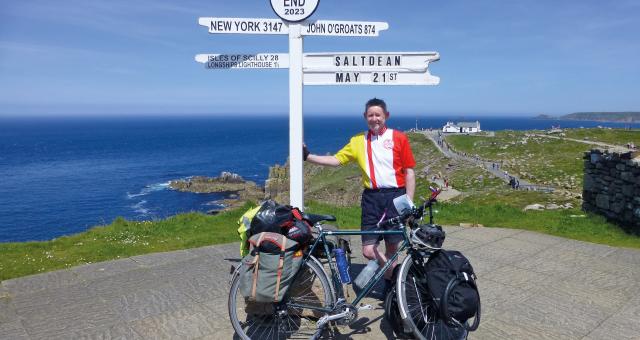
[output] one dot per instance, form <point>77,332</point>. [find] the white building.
<point>462,127</point>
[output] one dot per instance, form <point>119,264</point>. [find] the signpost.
<point>337,68</point>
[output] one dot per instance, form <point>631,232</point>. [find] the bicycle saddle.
<point>314,218</point>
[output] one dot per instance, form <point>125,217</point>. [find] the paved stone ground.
<point>532,286</point>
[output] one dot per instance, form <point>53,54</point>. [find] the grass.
<point>123,238</point>
<point>538,160</point>
<point>120,239</point>
<point>570,223</point>
<point>610,136</point>
<point>430,162</point>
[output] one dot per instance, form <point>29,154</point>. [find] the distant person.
<point>386,162</point>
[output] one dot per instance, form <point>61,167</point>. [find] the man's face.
<point>376,118</point>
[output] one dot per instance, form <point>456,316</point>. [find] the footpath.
<point>533,286</point>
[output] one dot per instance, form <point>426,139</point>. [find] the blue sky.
<point>521,57</point>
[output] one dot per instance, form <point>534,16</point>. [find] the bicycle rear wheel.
<point>416,307</point>
<point>253,320</point>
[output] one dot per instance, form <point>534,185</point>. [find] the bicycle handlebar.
<point>413,212</point>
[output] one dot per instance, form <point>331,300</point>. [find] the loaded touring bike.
<point>315,300</point>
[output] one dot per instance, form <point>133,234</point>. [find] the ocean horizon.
<point>64,175</point>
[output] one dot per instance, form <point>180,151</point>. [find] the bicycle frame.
<point>335,277</point>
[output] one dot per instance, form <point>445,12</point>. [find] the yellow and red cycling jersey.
<point>382,158</point>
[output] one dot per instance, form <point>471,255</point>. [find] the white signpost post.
<point>338,68</point>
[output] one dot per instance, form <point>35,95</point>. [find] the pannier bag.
<point>273,217</point>
<point>452,284</point>
<point>267,271</point>
<point>283,219</point>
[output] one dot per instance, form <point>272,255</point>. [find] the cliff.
<point>623,117</point>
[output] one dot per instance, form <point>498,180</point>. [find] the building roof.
<point>468,124</point>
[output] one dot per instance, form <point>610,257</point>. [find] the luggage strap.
<point>256,267</point>
<point>280,265</point>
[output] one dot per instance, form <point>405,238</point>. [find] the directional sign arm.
<point>244,60</point>
<point>344,28</point>
<point>244,25</point>
<point>369,78</point>
<point>369,61</point>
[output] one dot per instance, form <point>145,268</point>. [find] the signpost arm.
<point>296,132</point>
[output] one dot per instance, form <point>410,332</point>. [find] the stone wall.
<point>612,187</point>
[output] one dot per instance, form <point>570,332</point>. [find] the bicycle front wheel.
<point>255,320</point>
<point>417,309</point>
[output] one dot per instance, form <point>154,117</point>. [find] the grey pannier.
<point>267,271</point>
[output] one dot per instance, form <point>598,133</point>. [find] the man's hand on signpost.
<point>305,152</point>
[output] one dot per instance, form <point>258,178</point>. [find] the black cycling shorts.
<point>375,203</point>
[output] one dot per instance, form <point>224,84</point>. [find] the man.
<point>386,161</point>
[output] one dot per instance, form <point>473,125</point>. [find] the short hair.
<point>375,102</point>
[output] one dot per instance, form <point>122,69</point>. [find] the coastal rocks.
<point>233,184</point>
<point>535,206</point>
<point>612,187</point>
<point>550,206</point>
<point>277,185</point>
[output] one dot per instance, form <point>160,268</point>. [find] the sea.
<point>64,175</point>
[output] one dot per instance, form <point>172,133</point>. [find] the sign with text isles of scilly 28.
<point>276,26</point>
<point>244,60</point>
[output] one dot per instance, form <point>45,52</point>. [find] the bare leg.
<point>390,249</point>
<point>371,252</point>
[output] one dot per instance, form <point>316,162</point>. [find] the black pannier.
<point>452,283</point>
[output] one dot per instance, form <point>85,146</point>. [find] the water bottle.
<point>366,274</point>
<point>343,266</point>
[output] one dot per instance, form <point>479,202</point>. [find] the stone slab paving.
<point>533,286</point>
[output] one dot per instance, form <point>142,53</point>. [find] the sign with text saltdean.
<point>275,26</point>
<point>369,61</point>
<point>294,10</point>
<point>244,60</point>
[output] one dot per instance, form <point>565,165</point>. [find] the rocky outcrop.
<point>612,187</point>
<point>277,185</point>
<point>238,189</point>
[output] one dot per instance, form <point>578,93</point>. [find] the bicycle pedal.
<point>365,307</point>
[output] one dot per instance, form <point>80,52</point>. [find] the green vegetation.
<point>610,136</point>
<point>431,162</point>
<point>123,238</point>
<point>120,239</point>
<point>536,159</point>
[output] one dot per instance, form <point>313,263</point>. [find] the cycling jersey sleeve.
<point>346,154</point>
